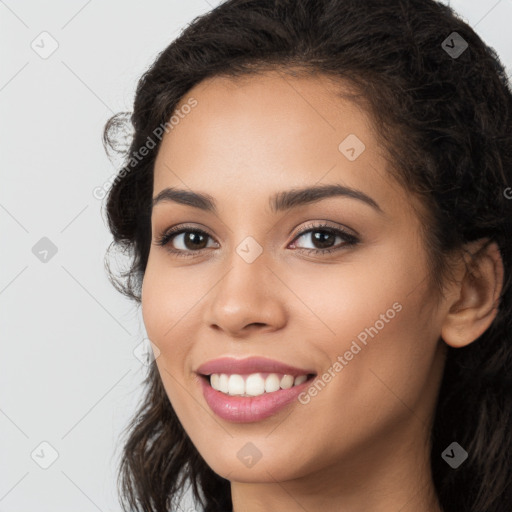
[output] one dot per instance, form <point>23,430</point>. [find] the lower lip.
<point>241,409</point>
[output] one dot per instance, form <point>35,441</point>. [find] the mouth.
<point>254,384</point>
<point>249,398</point>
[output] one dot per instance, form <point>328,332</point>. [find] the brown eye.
<point>184,241</point>
<point>192,240</point>
<point>323,239</point>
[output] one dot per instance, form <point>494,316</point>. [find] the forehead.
<point>273,103</point>
<point>260,133</point>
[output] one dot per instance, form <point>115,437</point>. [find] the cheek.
<point>166,314</point>
<point>168,300</point>
<point>387,349</point>
<point>161,314</point>
<point>379,320</point>
<point>154,308</point>
<point>347,300</point>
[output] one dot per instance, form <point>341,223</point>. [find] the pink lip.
<point>241,409</point>
<point>231,365</point>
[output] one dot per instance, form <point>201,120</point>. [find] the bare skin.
<point>361,443</point>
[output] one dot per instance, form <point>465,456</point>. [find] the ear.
<point>475,297</point>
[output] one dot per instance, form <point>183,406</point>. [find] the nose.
<point>248,298</point>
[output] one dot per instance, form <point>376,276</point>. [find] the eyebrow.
<point>281,201</point>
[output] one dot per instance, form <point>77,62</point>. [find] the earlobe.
<point>474,303</point>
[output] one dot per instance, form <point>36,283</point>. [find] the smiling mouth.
<point>254,384</point>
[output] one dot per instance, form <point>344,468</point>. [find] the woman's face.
<point>256,283</point>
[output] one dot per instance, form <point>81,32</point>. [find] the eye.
<point>188,240</point>
<point>184,241</point>
<point>323,238</point>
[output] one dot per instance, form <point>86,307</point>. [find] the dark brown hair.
<point>445,122</point>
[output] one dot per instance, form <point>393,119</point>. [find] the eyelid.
<point>312,225</point>
<point>179,229</point>
<point>321,224</point>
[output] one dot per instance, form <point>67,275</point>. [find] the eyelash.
<point>164,239</point>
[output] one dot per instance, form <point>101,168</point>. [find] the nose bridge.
<point>246,293</point>
<point>247,274</point>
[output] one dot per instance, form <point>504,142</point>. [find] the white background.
<point>68,374</point>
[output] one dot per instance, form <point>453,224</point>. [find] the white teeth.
<point>300,380</point>
<point>272,383</point>
<point>223,383</point>
<point>236,385</point>
<point>287,381</point>
<point>254,384</point>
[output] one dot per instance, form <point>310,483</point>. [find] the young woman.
<point>317,202</point>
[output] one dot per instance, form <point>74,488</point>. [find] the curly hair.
<point>445,122</point>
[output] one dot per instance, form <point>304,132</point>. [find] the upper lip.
<point>249,365</point>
